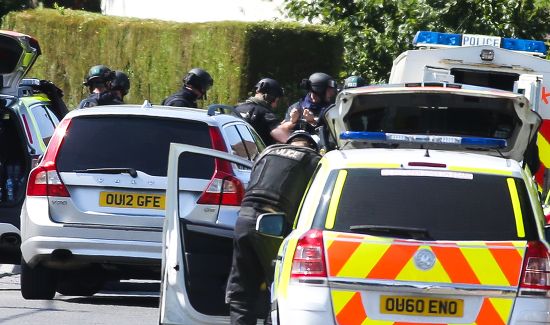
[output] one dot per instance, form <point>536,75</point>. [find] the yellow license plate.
<point>421,306</point>
<point>131,200</point>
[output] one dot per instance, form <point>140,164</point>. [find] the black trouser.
<point>253,256</point>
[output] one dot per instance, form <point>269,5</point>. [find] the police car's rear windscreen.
<point>449,208</point>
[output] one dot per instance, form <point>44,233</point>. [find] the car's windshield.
<point>445,205</point>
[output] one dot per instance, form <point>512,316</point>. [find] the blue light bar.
<point>524,45</point>
<point>424,37</point>
<point>446,39</point>
<point>470,142</point>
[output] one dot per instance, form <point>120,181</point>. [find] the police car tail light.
<point>536,269</point>
<point>309,257</point>
<point>44,180</point>
<point>224,188</point>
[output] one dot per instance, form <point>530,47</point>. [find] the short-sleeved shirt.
<point>258,114</point>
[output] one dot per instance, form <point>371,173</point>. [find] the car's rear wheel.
<point>37,282</point>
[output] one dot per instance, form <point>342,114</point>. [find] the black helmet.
<point>269,87</point>
<point>99,74</point>
<point>318,83</point>
<point>199,79</point>
<point>303,135</point>
<point>121,82</point>
<point>354,81</point>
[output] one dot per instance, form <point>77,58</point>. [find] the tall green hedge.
<point>157,54</point>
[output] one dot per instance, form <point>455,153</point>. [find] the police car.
<point>27,121</point>
<point>415,236</point>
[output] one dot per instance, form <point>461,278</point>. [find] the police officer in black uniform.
<point>120,86</point>
<point>98,81</point>
<point>279,178</point>
<point>304,114</point>
<point>258,111</point>
<point>195,85</point>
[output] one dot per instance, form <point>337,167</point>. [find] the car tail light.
<point>44,180</point>
<point>309,257</point>
<point>224,188</point>
<point>535,276</point>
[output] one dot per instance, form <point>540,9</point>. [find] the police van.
<point>509,64</point>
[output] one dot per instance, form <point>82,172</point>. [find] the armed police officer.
<point>98,81</point>
<point>304,114</point>
<point>258,111</point>
<point>195,85</point>
<point>120,86</point>
<point>278,180</point>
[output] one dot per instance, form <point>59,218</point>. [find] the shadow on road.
<point>131,301</point>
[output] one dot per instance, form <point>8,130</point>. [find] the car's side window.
<point>236,143</point>
<point>46,121</point>
<point>251,140</point>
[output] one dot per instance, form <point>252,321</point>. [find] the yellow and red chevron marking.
<point>543,142</point>
<point>466,262</point>
<point>350,309</point>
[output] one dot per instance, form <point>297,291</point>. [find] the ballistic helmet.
<point>318,83</point>
<point>301,135</point>
<point>99,74</point>
<point>354,81</point>
<point>121,82</point>
<point>199,79</point>
<point>269,87</point>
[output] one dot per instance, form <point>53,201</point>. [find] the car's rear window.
<point>448,114</point>
<point>450,206</point>
<point>135,142</point>
<point>10,52</point>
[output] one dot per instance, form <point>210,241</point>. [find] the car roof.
<point>392,158</point>
<point>195,114</point>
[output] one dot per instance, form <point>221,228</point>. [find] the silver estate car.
<point>95,204</point>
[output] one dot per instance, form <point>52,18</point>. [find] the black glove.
<point>48,88</point>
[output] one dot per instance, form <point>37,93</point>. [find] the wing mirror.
<point>271,224</point>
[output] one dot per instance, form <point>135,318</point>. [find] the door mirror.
<point>271,224</point>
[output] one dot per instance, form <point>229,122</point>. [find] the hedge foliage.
<point>157,54</point>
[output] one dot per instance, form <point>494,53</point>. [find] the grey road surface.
<point>132,303</point>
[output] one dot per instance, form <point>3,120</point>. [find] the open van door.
<point>196,257</point>
<point>530,86</point>
<point>18,52</point>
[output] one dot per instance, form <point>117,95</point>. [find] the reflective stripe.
<point>28,59</point>
<point>463,262</point>
<point>544,150</point>
<point>517,207</point>
<point>481,170</point>
<point>349,308</point>
<point>335,198</point>
<point>372,165</point>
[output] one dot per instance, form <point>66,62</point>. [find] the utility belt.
<point>262,207</point>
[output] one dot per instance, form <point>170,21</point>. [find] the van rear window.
<point>448,205</point>
<point>10,52</point>
<point>429,113</point>
<point>136,142</point>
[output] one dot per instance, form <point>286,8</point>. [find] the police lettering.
<point>289,153</point>
<point>404,305</point>
<point>480,40</point>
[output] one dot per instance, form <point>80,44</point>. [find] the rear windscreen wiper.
<point>111,170</point>
<point>392,231</point>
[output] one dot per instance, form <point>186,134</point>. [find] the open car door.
<point>18,52</point>
<point>196,257</point>
<point>436,108</point>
